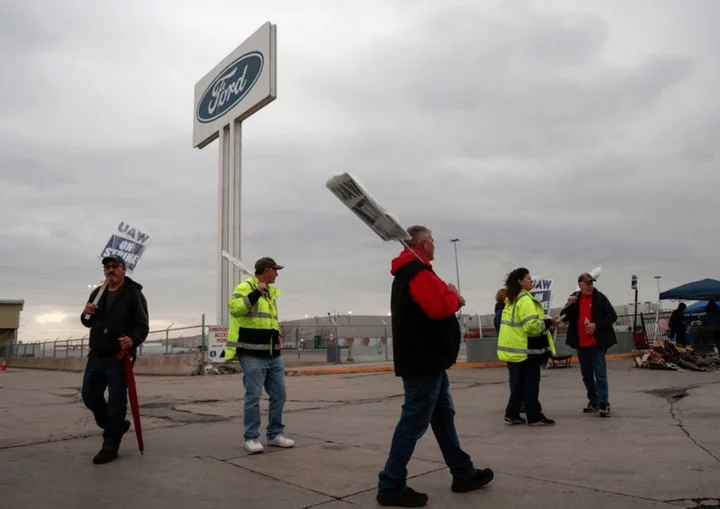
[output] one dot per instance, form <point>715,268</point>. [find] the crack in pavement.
<point>332,497</point>
<point>598,490</point>
<point>673,400</point>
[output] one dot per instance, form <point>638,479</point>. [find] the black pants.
<point>524,387</point>
<point>102,373</point>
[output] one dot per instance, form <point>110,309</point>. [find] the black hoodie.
<point>126,316</point>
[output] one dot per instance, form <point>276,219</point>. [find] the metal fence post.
<point>386,343</point>
<point>202,346</point>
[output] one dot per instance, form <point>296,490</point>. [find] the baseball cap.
<point>585,277</point>
<point>266,263</point>
<point>114,258</point>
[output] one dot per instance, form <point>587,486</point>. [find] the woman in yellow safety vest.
<point>525,343</point>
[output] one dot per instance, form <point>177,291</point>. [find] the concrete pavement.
<point>661,448</point>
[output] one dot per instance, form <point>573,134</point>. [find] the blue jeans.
<point>594,373</point>
<point>427,402</point>
<point>101,373</point>
<point>259,372</point>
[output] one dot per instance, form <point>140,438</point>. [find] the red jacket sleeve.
<point>433,296</point>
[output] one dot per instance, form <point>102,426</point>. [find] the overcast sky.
<point>556,135</point>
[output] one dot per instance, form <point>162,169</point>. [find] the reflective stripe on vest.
<point>248,346</point>
<point>513,323</point>
<point>254,313</point>
<point>538,351</point>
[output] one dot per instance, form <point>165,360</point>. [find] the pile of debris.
<point>668,355</point>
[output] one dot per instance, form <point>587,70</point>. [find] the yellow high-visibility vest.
<point>248,322</point>
<point>522,320</point>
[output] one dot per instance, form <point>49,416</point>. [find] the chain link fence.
<point>170,341</point>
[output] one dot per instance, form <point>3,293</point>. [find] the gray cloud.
<point>549,136</point>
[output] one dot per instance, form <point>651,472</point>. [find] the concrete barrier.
<point>158,365</point>
<point>485,349</point>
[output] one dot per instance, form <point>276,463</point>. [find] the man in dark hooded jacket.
<point>426,340</point>
<point>118,321</point>
<point>590,318</point>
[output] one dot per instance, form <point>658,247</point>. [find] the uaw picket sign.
<point>542,291</point>
<point>128,242</point>
<point>244,82</point>
<point>349,190</point>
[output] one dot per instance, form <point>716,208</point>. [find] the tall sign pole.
<point>244,82</point>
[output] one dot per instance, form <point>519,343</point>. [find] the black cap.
<point>585,277</point>
<point>114,258</point>
<point>266,263</point>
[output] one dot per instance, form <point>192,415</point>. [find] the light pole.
<point>657,278</point>
<point>457,267</point>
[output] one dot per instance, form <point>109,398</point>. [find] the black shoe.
<point>591,408</point>
<point>104,456</point>
<point>480,479</point>
<point>126,426</point>
<point>544,421</point>
<point>515,420</point>
<point>408,497</point>
<point>604,410</point>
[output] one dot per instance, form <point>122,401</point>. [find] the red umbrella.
<point>132,394</point>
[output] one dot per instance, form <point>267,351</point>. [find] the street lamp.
<point>657,278</point>
<point>457,267</point>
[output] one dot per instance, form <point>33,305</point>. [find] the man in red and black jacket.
<point>590,318</point>
<point>426,341</point>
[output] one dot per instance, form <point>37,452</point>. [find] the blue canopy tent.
<point>698,307</point>
<point>705,289</point>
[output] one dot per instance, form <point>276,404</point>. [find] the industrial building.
<point>9,323</point>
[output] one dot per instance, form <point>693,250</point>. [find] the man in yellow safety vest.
<point>254,332</point>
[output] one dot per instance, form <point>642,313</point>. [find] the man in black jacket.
<point>426,340</point>
<point>119,321</point>
<point>590,318</point>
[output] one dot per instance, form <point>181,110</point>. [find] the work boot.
<point>408,497</point>
<point>604,410</point>
<point>515,420</point>
<point>480,479</point>
<point>543,421</point>
<point>105,456</point>
<point>591,408</point>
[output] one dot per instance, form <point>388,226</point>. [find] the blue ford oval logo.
<point>230,86</point>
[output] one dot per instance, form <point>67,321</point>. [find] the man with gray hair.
<point>426,341</point>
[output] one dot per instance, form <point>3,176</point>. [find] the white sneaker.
<point>254,446</point>
<point>281,441</point>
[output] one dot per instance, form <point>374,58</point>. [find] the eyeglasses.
<point>111,266</point>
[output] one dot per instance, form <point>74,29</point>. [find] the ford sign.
<point>230,86</point>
